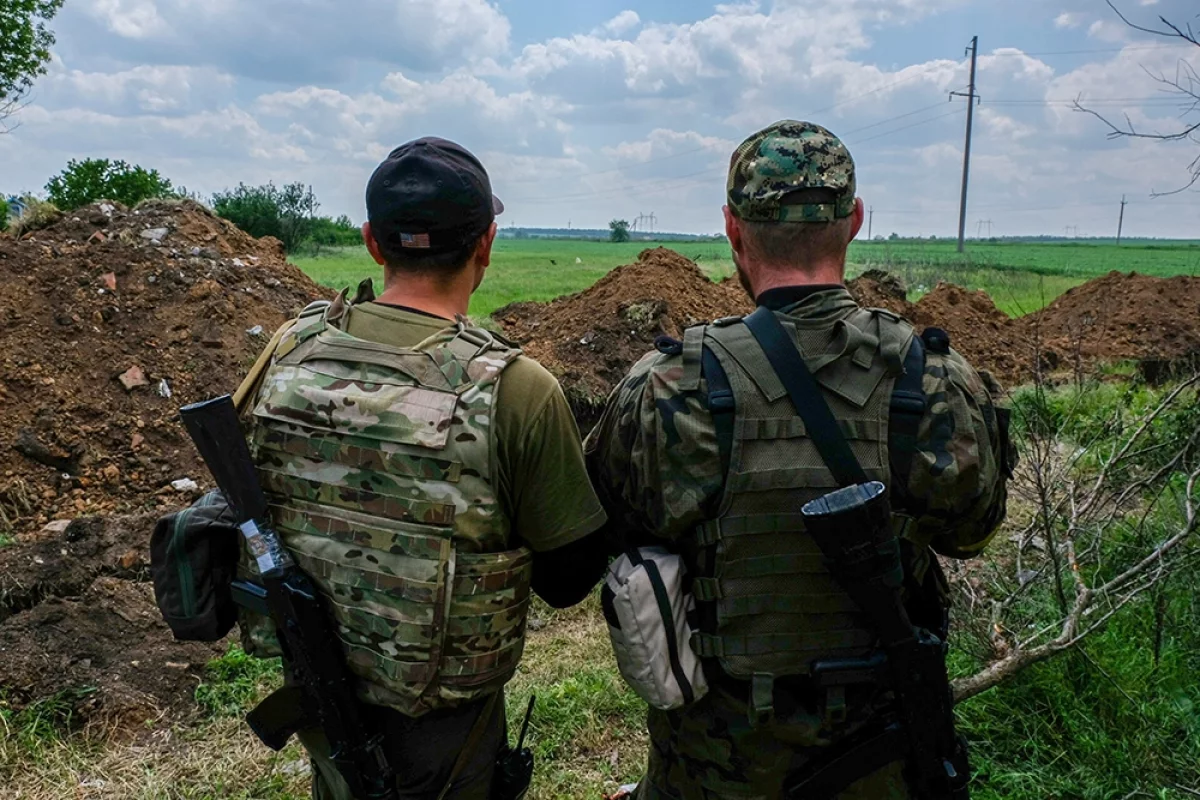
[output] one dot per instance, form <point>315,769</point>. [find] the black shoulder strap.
<point>720,404</point>
<point>806,396</point>
<point>907,410</point>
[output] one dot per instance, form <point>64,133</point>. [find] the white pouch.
<point>647,614</point>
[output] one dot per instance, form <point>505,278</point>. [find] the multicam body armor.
<point>777,607</point>
<point>378,462</point>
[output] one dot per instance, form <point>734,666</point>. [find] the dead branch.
<point>1081,510</point>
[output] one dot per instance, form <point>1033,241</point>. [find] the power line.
<point>1085,52</point>
<point>954,113</point>
<point>674,182</point>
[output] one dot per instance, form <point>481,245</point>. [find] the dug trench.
<point>116,317</point>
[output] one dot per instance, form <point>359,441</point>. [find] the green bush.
<point>94,179</point>
<point>340,232</point>
<point>3,214</point>
<point>288,213</point>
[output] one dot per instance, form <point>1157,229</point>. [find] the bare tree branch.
<point>1185,84</point>
<point>1108,526</point>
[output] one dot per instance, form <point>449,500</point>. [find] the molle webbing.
<point>777,607</point>
<point>378,464</point>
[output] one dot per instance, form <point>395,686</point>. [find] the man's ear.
<point>483,251</point>
<point>733,230</point>
<point>857,218</point>
<point>372,245</point>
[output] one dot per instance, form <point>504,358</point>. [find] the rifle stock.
<point>868,566</point>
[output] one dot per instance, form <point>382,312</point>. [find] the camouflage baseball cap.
<point>786,158</point>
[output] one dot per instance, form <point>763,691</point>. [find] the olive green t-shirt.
<point>541,478</point>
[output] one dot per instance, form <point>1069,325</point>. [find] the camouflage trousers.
<point>710,750</point>
<point>422,751</point>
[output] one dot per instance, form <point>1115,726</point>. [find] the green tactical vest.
<point>378,462</point>
<point>777,608</point>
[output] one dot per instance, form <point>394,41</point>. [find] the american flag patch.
<point>418,240</point>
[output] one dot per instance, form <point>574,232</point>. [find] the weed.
<point>235,681</point>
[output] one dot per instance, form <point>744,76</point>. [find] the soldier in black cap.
<point>428,477</point>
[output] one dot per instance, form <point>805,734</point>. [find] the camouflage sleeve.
<point>963,461</point>
<point>653,457</point>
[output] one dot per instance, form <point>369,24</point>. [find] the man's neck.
<point>446,301</point>
<point>823,274</point>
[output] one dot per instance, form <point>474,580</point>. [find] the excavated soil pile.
<point>1122,316</point>
<point>984,334</point>
<point>590,339</point>
<point>79,628</point>
<point>110,320</point>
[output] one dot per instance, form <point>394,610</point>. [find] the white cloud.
<point>281,40</point>
<point>1068,19</point>
<point>635,115</point>
<point>131,19</point>
<point>622,23</point>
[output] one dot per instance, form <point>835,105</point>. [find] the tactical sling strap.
<point>930,759</point>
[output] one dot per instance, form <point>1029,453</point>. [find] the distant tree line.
<point>288,212</point>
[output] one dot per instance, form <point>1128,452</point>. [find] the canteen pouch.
<point>647,610</point>
<point>193,561</point>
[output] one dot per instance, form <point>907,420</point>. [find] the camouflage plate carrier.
<point>769,605</point>
<point>378,464</point>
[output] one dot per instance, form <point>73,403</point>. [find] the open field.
<point>1021,278</point>
<point>97,702</point>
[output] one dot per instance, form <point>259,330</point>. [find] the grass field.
<point>1117,719</point>
<point>1020,277</point>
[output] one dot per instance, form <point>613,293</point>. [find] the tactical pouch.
<point>647,611</point>
<point>193,560</point>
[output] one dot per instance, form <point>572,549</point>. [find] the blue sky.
<point>588,111</point>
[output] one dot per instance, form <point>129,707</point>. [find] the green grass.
<point>1019,277</point>
<point>521,268</point>
<point>233,682</point>
<point>1104,722</point>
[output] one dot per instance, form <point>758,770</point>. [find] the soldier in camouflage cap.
<point>676,463</point>
<point>773,164</point>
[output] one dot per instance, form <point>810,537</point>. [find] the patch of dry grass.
<point>587,733</point>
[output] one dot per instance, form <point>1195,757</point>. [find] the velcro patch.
<point>415,240</point>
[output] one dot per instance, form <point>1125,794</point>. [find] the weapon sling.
<point>927,748</point>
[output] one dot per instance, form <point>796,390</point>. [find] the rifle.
<point>325,694</point>
<point>913,661</point>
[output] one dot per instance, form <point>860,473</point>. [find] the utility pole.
<point>971,98</point>
<point>1121,224</point>
<point>871,224</point>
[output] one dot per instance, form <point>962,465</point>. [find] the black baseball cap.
<point>430,196</point>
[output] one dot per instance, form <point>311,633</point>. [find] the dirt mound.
<point>79,629</point>
<point>110,319</point>
<point>1121,316</point>
<point>878,289</point>
<point>984,334</point>
<point>590,339</point>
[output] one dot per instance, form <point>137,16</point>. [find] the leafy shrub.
<point>3,214</point>
<point>94,179</point>
<point>286,212</point>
